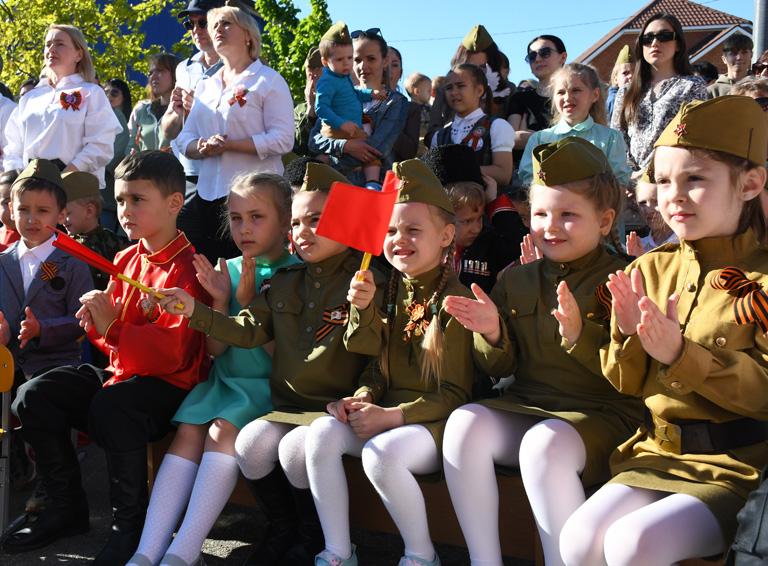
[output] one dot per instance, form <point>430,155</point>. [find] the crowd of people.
<point>512,319</point>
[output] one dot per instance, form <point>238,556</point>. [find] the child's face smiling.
<point>341,60</point>
<point>573,99</point>
<point>305,213</point>
<point>415,241</point>
<point>256,226</point>
<point>565,225</point>
<point>32,211</point>
<point>462,93</point>
<point>146,214</point>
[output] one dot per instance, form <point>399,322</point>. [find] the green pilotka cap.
<point>314,59</point>
<point>419,184</point>
<point>478,39</point>
<point>731,124</point>
<point>625,56</point>
<point>338,33</point>
<point>79,184</point>
<point>42,169</point>
<point>648,175</point>
<point>567,160</point>
<point>320,177</point>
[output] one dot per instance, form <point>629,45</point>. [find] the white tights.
<point>550,454</point>
<point>389,459</point>
<point>261,444</point>
<point>630,526</point>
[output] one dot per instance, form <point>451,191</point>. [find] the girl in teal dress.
<point>201,459</point>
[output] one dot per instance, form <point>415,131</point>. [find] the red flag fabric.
<point>78,250</point>
<point>359,217</point>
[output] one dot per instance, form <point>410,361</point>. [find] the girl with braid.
<point>397,428</point>
<point>559,422</point>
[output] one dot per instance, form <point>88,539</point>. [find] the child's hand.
<point>568,314</point>
<point>626,293</point>
<point>246,287</point>
<point>491,188</point>
<point>361,292</point>
<point>172,298</point>
<point>216,282</point>
<point>5,331</point>
<point>634,246</point>
<point>379,94</point>
<point>341,409</point>
<point>30,328</point>
<point>86,320</point>
<point>528,252</point>
<point>368,420</point>
<point>479,316</point>
<point>102,311</point>
<point>349,128</point>
<point>659,334</point>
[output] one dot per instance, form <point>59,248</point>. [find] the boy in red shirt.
<point>155,359</point>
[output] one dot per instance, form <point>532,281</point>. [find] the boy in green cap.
<point>620,75</point>
<point>338,103</point>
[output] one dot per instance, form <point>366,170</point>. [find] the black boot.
<point>128,496</point>
<point>273,494</point>
<point>310,540</point>
<point>67,514</point>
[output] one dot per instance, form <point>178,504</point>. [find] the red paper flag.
<point>78,250</point>
<point>359,217</point>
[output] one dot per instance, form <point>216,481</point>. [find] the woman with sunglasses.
<point>241,120</point>
<point>531,111</point>
<point>662,81</point>
<point>383,120</point>
<point>66,118</point>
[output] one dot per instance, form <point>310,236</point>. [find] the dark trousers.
<point>205,224</point>
<point>119,418</point>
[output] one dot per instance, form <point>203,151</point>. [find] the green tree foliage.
<point>112,29</point>
<point>287,39</point>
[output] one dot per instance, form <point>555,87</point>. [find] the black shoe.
<point>273,494</point>
<point>128,496</point>
<point>52,524</point>
<point>310,540</point>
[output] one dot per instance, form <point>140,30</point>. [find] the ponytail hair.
<point>479,78</point>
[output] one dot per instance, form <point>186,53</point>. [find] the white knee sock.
<point>293,459</point>
<point>476,437</point>
<point>169,497</point>
<point>552,455</point>
<point>327,440</point>
<point>214,484</point>
<point>390,459</point>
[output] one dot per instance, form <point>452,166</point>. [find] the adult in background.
<point>407,143</point>
<point>760,68</point>
<point>663,80</point>
<point>119,96</point>
<point>66,118</point>
<point>304,115</point>
<point>241,120</point>
<point>478,48</point>
<point>383,120</point>
<point>737,56</point>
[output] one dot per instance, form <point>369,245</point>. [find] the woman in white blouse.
<point>66,118</point>
<point>241,120</point>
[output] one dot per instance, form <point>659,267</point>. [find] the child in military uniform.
<point>560,420</point>
<point>425,372</point>
<point>701,368</point>
<point>305,311</point>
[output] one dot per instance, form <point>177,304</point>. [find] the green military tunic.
<point>309,367</point>
<point>720,376</point>
<point>421,403</point>
<point>550,380</point>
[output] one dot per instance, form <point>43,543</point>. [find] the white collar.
<point>40,252</point>
<point>473,117</point>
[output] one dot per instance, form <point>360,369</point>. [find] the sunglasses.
<point>189,25</point>
<point>662,37</point>
<point>544,53</point>
<point>758,68</point>
<point>113,92</point>
<point>763,102</point>
<point>360,33</point>
<point>525,89</point>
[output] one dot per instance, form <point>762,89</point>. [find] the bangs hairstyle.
<point>641,80</point>
<point>604,192</point>
<point>244,20</point>
<point>37,184</point>
<point>433,345</point>
<point>588,75</point>
<point>160,168</point>
<point>327,46</point>
<point>466,193</point>
<point>478,78</point>
<point>166,61</point>
<point>248,184</point>
<point>84,66</point>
